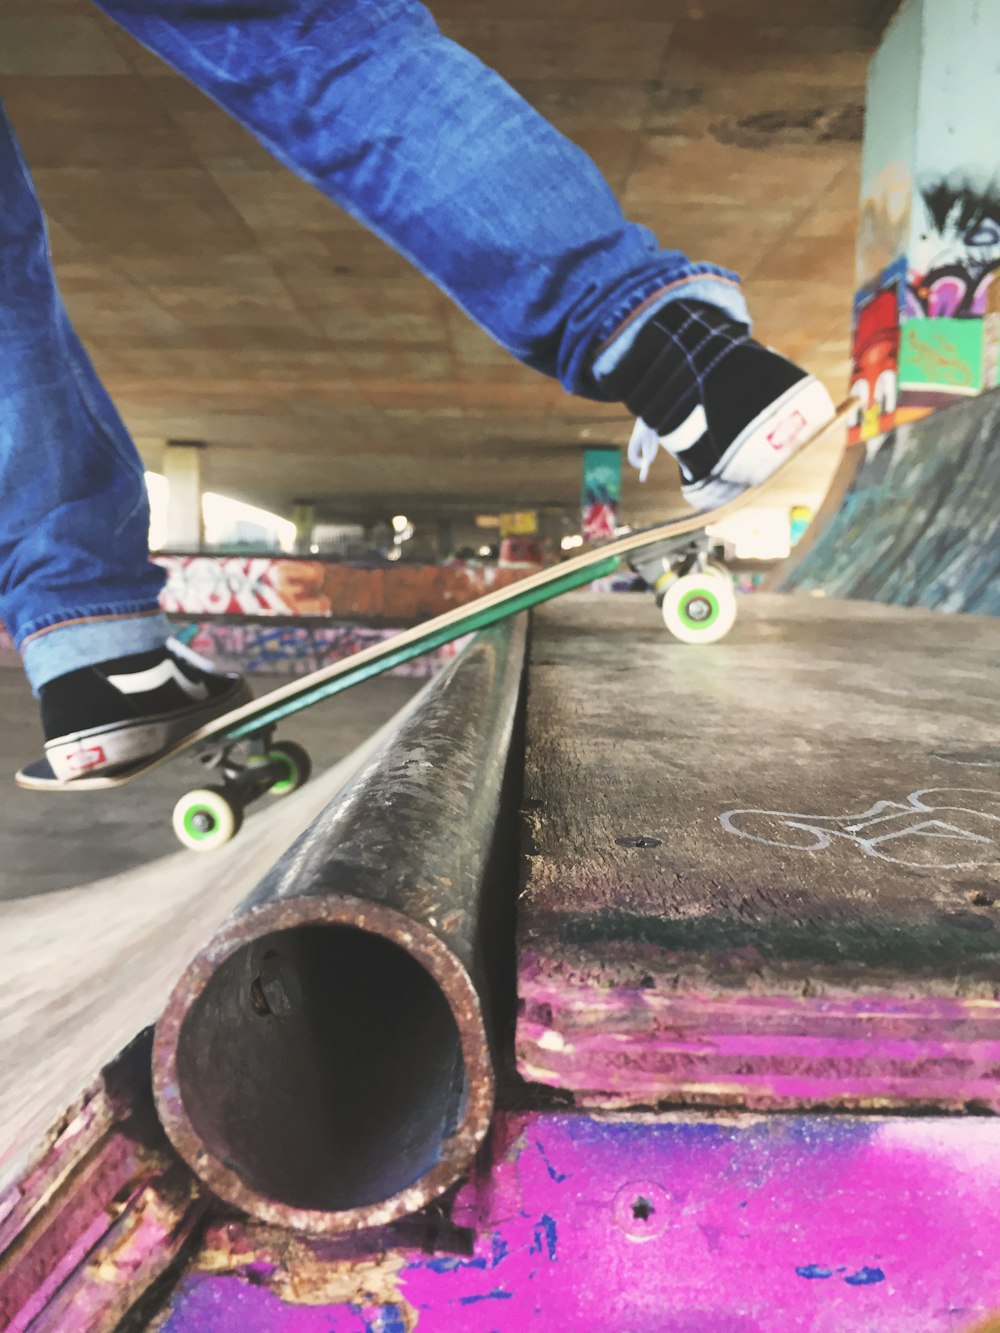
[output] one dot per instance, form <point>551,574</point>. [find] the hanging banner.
<point>602,492</point>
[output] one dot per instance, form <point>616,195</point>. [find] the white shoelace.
<point>643,448</point>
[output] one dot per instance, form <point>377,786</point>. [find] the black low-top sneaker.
<point>126,710</point>
<point>728,409</point>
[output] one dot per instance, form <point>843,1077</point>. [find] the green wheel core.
<point>286,784</point>
<point>296,766</point>
<point>699,609</point>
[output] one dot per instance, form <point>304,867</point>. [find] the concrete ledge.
<point>766,872</point>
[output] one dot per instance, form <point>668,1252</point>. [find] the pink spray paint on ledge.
<point>668,1224</point>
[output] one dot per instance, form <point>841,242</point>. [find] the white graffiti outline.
<point>881,816</point>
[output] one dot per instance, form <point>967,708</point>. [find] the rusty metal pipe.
<point>324,1062</point>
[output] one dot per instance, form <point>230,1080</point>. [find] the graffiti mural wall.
<point>208,585</point>
<point>221,606</point>
<point>282,650</point>
<point>294,650</point>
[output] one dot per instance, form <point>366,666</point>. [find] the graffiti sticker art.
<point>875,355</point>
<point>956,256</point>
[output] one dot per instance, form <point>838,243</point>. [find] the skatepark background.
<point>243,328</point>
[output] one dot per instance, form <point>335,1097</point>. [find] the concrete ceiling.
<point>223,300</point>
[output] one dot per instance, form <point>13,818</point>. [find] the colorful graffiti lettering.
<point>954,261</point>
<point>200,585</point>
<point>212,585</point>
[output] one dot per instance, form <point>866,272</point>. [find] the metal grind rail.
<point>324,1062</point>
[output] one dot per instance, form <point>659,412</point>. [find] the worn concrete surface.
<point>51,842</point>
<point>764,871</point>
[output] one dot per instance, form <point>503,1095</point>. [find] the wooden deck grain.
<point>764,872</point>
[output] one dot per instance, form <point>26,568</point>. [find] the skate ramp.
<point>88,968</point>
<point>912,518</point>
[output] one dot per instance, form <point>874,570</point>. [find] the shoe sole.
<point>105,749</point>
<point>765,444</point>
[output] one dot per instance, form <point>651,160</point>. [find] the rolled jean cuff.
<point>81,643</point>
<point>724,293</point>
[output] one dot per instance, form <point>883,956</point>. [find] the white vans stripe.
<point>142,682</point>
<point>689,432</point>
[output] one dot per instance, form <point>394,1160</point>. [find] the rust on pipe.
<point>324,1062</point>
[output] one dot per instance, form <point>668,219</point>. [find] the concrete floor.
<point>51,842</point>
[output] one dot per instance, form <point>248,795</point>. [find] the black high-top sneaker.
<point>106,717</point>
<point>728,409</point>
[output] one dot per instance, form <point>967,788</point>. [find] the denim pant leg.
<point>439,156</point>
<point>76,585</point>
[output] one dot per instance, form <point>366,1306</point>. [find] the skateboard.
<point>694,592</point>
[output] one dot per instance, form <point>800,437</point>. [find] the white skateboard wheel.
<point>207,818</point>
<point>699,608</point>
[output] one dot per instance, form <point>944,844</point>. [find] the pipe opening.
<point>322,1064</point>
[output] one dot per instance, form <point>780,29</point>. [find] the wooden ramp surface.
<point>762,872</point>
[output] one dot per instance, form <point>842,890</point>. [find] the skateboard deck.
<point>261,715</point>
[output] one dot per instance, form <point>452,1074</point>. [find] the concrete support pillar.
<point>929,235</point>
<point>182,462</point>
<point>304,518</point>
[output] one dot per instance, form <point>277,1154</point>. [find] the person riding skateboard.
<point>436,154</point>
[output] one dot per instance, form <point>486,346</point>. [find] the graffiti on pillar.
<point>953,260</point>
<point>875,355</point>
<point>602,492</point>
<point>946,353</point>
<point>956,256</point>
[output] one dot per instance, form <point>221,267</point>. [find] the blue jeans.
<point>408,132</point>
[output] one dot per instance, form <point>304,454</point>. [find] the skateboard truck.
<point>206,817</point>
<point>693,590</point>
